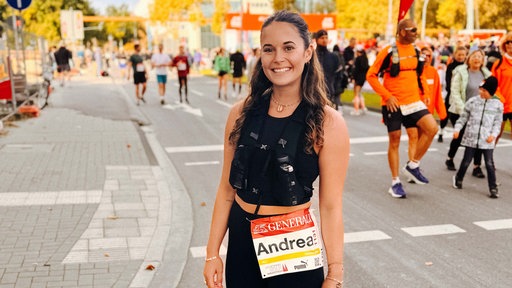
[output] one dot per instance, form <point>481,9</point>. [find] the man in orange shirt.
<point>402,104</point>
<point>502,70</point>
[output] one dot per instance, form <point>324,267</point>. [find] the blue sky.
<point>101,5</point>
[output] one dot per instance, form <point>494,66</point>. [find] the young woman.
<point>277,142</point>
<point>459,57</point>
<point>222,66</point>
<point>359,73</point>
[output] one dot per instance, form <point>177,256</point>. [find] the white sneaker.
<point>355,113</point>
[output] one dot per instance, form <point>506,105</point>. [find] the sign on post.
<point>19,4</point>
<point>71,25</point>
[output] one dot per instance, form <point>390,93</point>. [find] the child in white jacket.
<point>483,116</point>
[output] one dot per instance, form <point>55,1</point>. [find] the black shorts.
<point>139,77</point>
<point>394,120</point>
<point>222,73</point>
<point>242,269</point>
<point>63,68</point>
<point>507,116</point>
<point>237,73</point>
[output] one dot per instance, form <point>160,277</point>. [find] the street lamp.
<point>424,19</point>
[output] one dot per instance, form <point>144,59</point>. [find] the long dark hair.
<point>313,89</point>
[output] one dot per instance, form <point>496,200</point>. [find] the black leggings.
<point>183,84</point>
<point>242,268</point>
<point>444,122</point>
<point>455,143</point>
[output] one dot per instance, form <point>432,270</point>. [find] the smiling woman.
<point>277,142</point>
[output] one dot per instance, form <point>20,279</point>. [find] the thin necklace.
<point>280,107</point>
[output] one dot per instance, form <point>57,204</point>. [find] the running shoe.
<point>415,175</point>
<point>450,165</point>
<point>440,138</point>
<point>494,193</point>
<point>162,101</point>
<point>397,191</point>
<point>457,184</point>
<point>477,172</point>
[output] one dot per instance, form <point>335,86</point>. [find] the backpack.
<point>394,68</point>
<point>340,81</point>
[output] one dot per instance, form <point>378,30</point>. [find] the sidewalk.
<point>87,202</point>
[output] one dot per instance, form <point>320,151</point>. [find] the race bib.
<point>412,108</point>
<point>140,67</point>
<point>287,243</point>
<point>182,66</point>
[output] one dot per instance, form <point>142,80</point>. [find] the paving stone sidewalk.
<point>80,203</point>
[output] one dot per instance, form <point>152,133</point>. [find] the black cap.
<point>490,84</point>
<point>320,33</point>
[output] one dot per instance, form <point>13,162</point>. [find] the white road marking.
<point>186,149</point>
<point>376,153</point>
<point>504,143</point>
<point>200,251</point>
<point>197,92</point>
<point>185,107</point>
<point>50,198</point>
<point>378,139</point>
<point>495,224</point>
<point>432,230</point>
<point>224,103</point>
<point>363,236</point>
<point>194,111</point>
<point>361,140</point>
<point>201,163</point>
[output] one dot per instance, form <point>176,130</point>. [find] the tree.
<point>119,30</point>
<point>165,10</point>
<point>495,15</point>
<point>452,14</point>
<point>42,17</point>
<point>219,16</point>
<point>284,5</point>
<point>324,6</point>
<point>364,18</point>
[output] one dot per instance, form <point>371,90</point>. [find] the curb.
<point>168,250</point>
<point>181,221</point>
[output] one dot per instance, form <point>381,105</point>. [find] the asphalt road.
<point>437,237</point>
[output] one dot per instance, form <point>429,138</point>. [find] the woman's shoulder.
<point>333,118</point>
<point>461,68</point>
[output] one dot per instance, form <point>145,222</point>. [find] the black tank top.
<point>306,167</point>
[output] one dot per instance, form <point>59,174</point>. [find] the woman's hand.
<point>213,272</point>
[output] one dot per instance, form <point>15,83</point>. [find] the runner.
<point>402,103</point>
<point>182,65</point>
<point>139,74</point>
<point>160,61</point>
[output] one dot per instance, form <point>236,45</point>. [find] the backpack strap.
<point>386,64</point>
<point>289,140</point>
<point>419,67</point>
<point>499,63</point>
<point>250,134</point>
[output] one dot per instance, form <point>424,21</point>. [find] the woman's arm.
<point>456,102</point>
<point>333,162</point>
<point>213,268</point>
